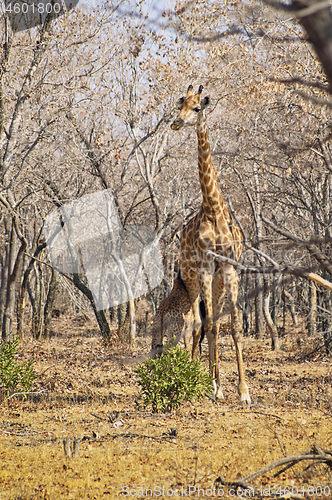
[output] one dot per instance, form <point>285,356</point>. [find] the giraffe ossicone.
<point>209,233</point>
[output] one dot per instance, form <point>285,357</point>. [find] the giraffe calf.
<point>174,318</point>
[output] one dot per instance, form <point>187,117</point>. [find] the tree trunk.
<point>15,259</point>
<point>3,282</point>
<point>276,294</point>
<point>37,297</point>
<point>312,316</point>
<point>259,313</point>
<point>23,289</point>
<point>113,315</point>
<point>122,314</point>
<point>49,305</point>
<point>245,286</point>
<point>270,324</point>
<point>100,315</point>
<point>291,305</point>
<point>327,323</point>
<point>132,319</point>
<point>318,25</point>
<point>257,209</point>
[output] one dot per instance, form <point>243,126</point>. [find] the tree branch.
<point>315,453</point>
<point>312,249</point>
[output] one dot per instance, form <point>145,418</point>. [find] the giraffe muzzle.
<point>177,124</point>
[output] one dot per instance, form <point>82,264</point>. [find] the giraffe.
<point>174,317</point>
<point>210,230</point>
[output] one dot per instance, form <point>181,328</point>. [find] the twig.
<point>302,12</point>
<point>25,393</point>
<point>315,100</point>
<point>44,371</point>
<point>164,437</point>
<point>99,417</point>
<point>308,354</point>
<point>312,9</point>
<point>50,266</point>
<point>307,83</point>
<point>261,413</point>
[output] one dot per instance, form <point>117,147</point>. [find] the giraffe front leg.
<point>217,382</point>
<point>188,329</point>
<point>212,338</point>
<point>237,337</point>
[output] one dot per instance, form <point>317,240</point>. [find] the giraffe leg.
<point>236,330</point>
<point>206,290</point>
<point>218,296</point>
<point>188,320</point>
<point>193,319</point>
<point>157,335</point>
<point>196,327</point>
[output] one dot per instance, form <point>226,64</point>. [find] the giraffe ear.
<point>180,102</point>
<point>205,102</point>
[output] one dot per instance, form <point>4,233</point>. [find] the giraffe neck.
<point>213,202</point>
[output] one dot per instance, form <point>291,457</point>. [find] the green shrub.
<point>14,377</point>
<point>173,378</point>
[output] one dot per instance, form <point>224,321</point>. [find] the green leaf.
<point>171,379</point>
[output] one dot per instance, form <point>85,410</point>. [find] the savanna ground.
<point>91,393</point>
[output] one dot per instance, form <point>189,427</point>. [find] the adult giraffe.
<point>210,232</point>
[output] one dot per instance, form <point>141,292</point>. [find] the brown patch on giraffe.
<point>207,181</point>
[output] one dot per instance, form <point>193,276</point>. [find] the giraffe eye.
<point>180,102</point>
<point>197,110</point>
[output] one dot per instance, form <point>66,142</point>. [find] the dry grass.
<point>90,386</point>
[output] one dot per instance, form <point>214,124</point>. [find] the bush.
<point>14,377</point>
<point>173,378</point>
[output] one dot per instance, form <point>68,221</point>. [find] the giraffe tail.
<point>203,316</point>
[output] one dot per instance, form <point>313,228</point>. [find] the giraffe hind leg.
<point>236,330</point>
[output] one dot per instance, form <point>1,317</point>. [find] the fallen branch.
<point>25,393</point>
<point>164,437</point>
<point>315,453</point>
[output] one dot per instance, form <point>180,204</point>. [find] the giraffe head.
<point>190,108</point>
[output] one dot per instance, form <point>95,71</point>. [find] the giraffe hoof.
<point>244,396</point>
<point>246,401</point>
<point>219,394</point>
<point>216,392</point>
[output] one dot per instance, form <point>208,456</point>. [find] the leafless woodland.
<point>86,102</point>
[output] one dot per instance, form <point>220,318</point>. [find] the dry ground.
<point>128,452</point>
